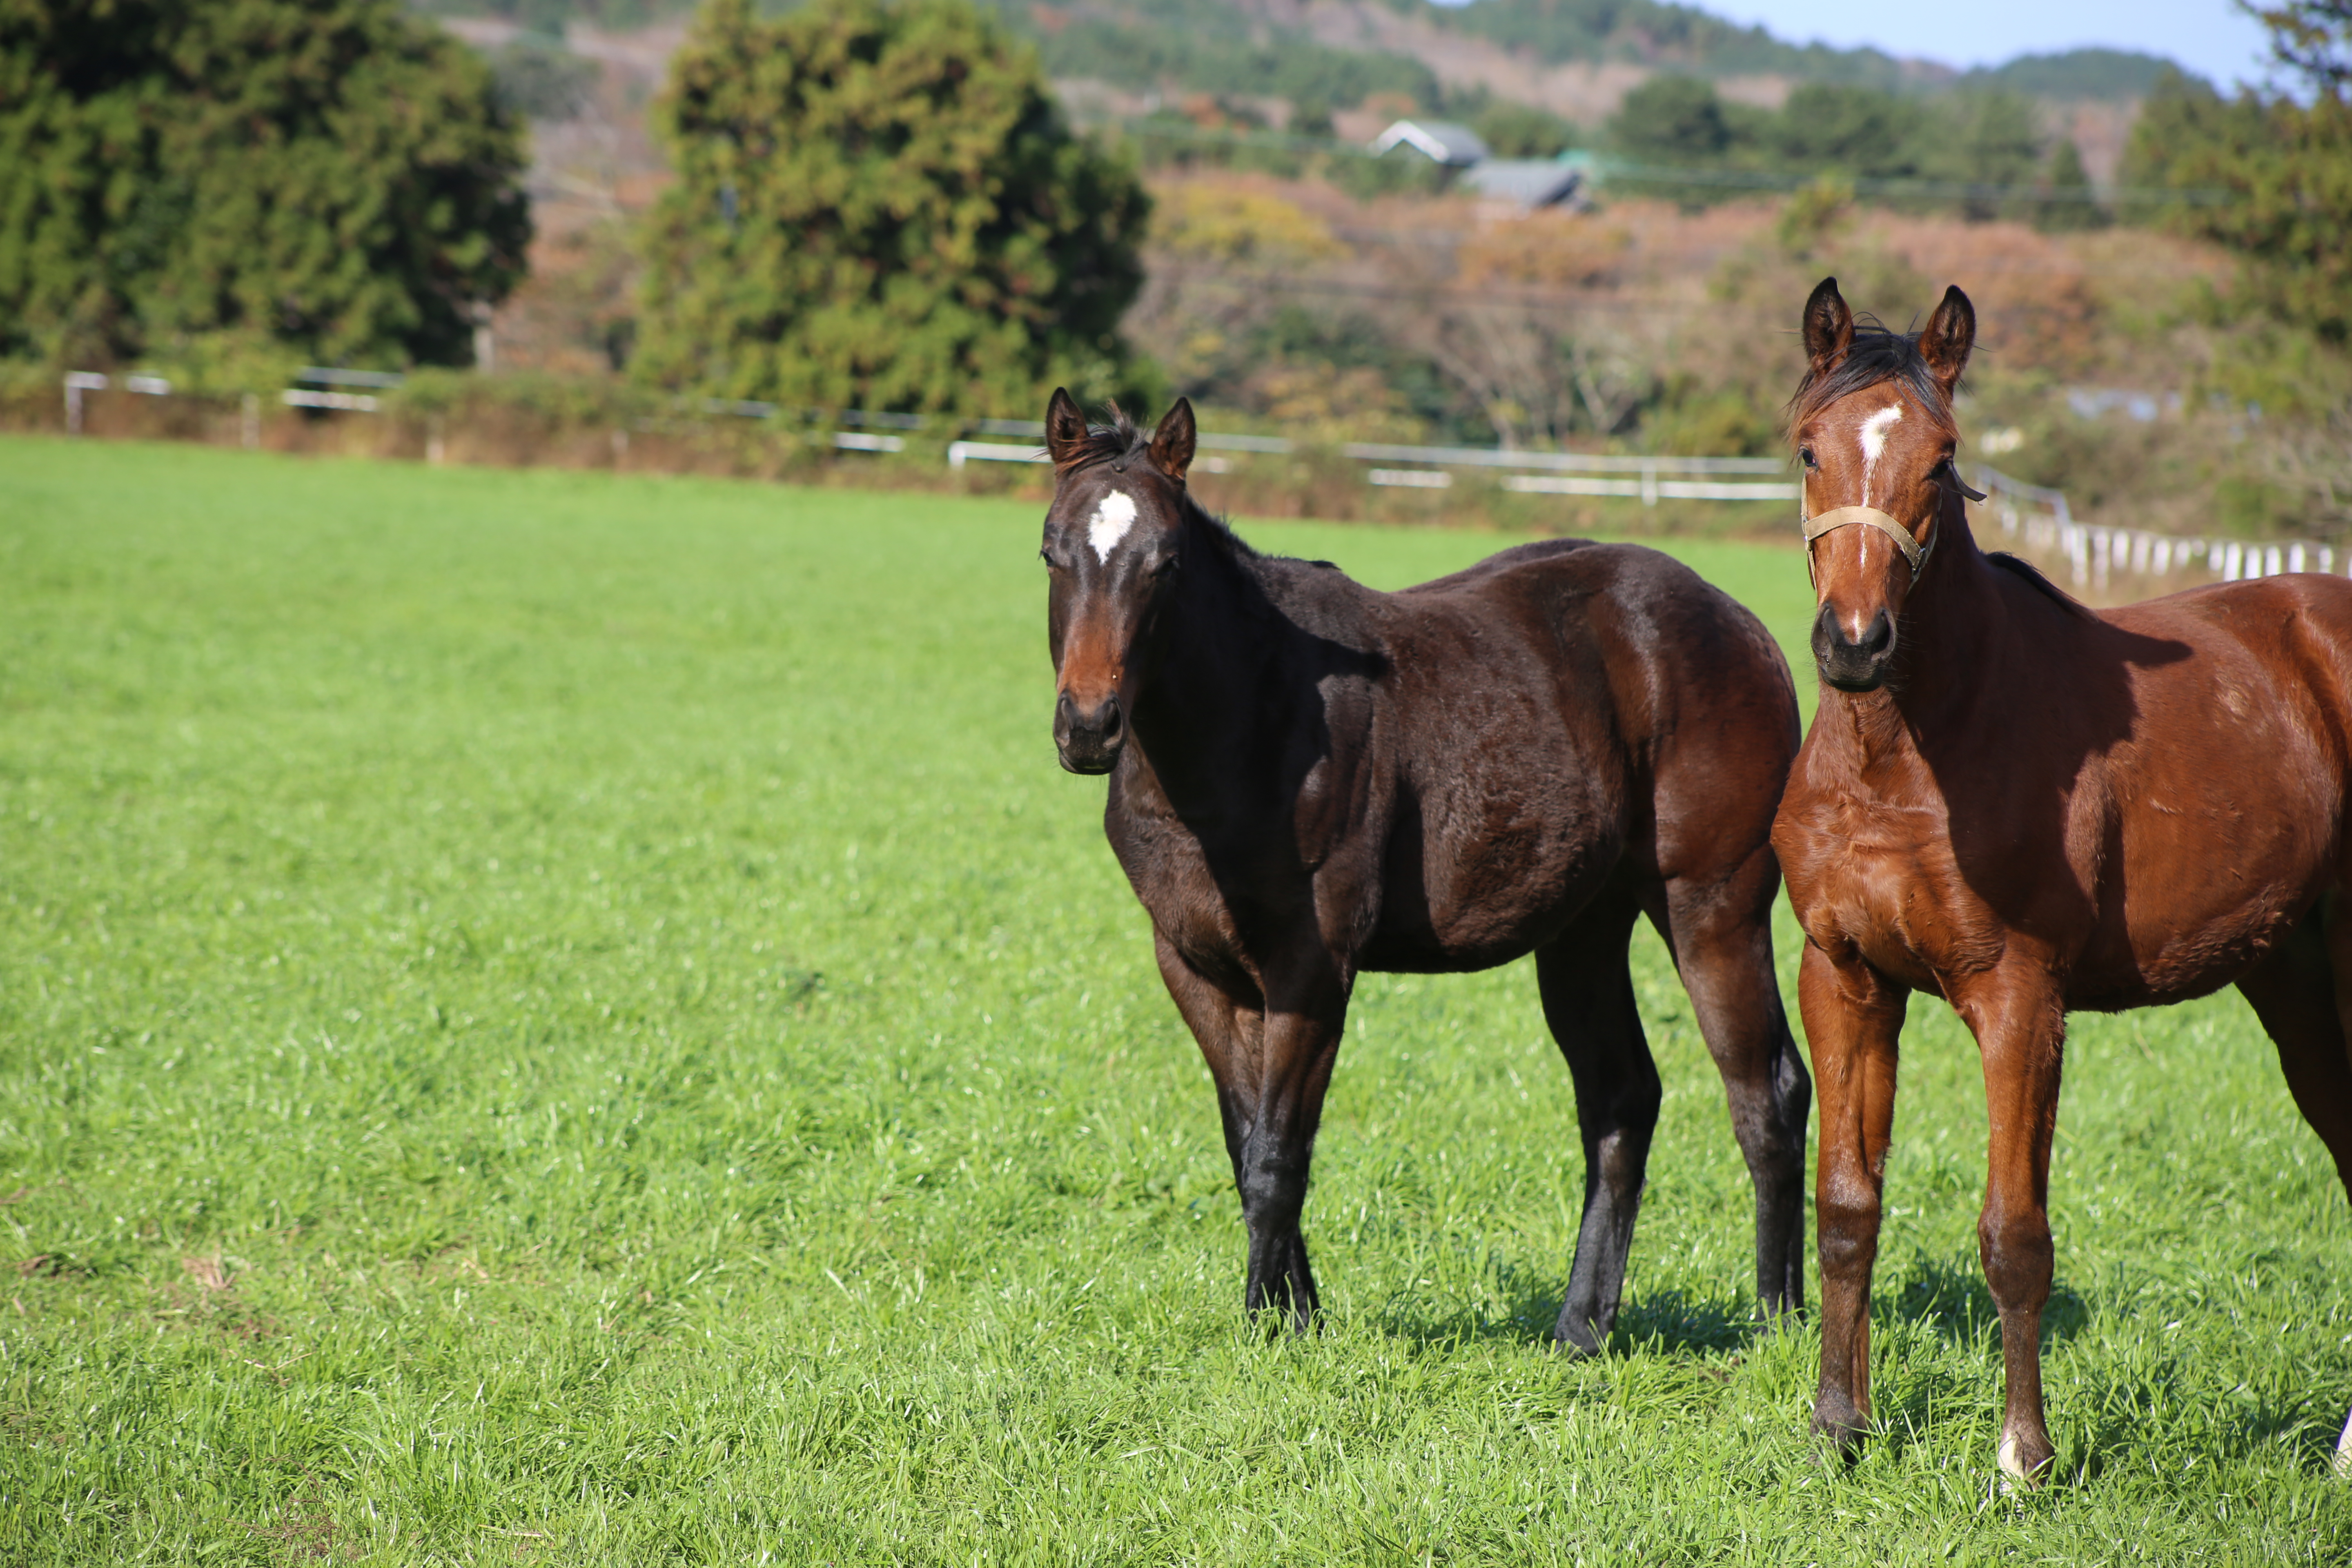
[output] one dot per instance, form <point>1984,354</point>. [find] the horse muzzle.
<point>1849,664</point>
<point>1089,739</point>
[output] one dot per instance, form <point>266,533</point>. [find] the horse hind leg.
<point>1588,1001</point>
<point>2303,994</point>
<point>1721,936</point>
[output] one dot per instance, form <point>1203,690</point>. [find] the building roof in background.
<point>1529,182</point>
<point>1441,140</point>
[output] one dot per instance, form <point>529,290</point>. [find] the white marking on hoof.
<point>1114,515</point>
<point>2343,1465</point>
<point>1873,443</point>
<point>2009,1458</point>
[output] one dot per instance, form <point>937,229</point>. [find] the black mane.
<point>1878,354</point>
<point>1108,443</point>
<point>2037,580</point>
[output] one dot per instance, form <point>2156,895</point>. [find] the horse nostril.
<point>1879,637</point>
<point>1111,720</point>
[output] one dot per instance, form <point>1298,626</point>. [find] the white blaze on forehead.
<point>1114,515</point>
<point>1873,442</point>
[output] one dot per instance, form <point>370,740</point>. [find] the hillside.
<point>1574,57</point>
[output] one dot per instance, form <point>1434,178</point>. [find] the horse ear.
<point>1829,327</point>
<point>1946,340</point>
<point>1173,442</point>
<point>1066,429</point>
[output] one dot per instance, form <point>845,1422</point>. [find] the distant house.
<point>1527,183</point>
<point>1439,140</point>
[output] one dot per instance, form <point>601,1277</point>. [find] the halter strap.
<point>1839,517</point>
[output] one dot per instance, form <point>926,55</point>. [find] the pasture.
<point>548,1018</point>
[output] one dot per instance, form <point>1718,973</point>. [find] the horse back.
<point>1564,707</point>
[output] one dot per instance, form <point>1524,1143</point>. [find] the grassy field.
<point>554,1019</point>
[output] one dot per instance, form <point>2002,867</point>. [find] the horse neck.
<point>1207,690</point>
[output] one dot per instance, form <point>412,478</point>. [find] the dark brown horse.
<point>1310,779</point>
<point>2027,809</point>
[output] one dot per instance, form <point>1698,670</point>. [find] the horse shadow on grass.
<point>1670,1321</point>
<point>1948,1296</point>
<point>2109,1412</point>
<point>2109,1415</point>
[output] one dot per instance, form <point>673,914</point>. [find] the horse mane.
<point>2037,582</point>
<point>1103,443</point>
<point>1878,354</point>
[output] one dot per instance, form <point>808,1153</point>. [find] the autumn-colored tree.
<point>877,206</point>
<point>332,176</point>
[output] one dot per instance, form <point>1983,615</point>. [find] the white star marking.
<point>1114,515</point>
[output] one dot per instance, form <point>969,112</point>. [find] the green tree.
<point>2074,204</point>
<point>327,174</point>
<point>1858,132</point>
<point>2267,176</point>
<point>1523,131</point>
<point>877,206</point>
<point>1979,138</point>
<point>1673,120</point>
<point>2312,37</point>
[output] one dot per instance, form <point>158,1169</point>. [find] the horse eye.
<point>1805,456</point>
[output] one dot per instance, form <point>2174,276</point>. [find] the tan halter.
<point>1886,523</point>
<point>1839,517</point>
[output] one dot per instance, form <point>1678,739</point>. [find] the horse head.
<point>1872,426</point>
<point>1110,552</point>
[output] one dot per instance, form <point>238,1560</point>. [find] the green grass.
<point>546,1018</point>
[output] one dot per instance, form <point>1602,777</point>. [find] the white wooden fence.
<point>2096,554</point>
<point>2037,518</point>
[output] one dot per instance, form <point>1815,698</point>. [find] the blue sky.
<point>2210,37</point>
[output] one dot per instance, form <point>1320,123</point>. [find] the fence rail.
<point>2096,553</point>
<point>2033,515</point>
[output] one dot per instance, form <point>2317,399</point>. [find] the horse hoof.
<point>1845,1429</point>
<point>2024,1464</point>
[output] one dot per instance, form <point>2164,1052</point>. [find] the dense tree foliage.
<point>2312,38</point>
<point>328,174</point>
<point>2268,177</point>
<point>1962,139</point>
<point>1522,131</point>
<point>878,207</point>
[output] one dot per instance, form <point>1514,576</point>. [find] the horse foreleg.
<point>1588,1001</point>
<point>1272,1060</point>
<point>1301,1045</point>
<point>2020,1023</point>
<point>1854,1018</point>
<point>1721,936</point>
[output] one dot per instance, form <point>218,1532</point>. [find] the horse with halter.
<point>1310,779</point>
<point>2026,807</point>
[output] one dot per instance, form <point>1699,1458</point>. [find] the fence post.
<point>1649,484</point>
<point>249,421</point>
<point>76,382</point>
